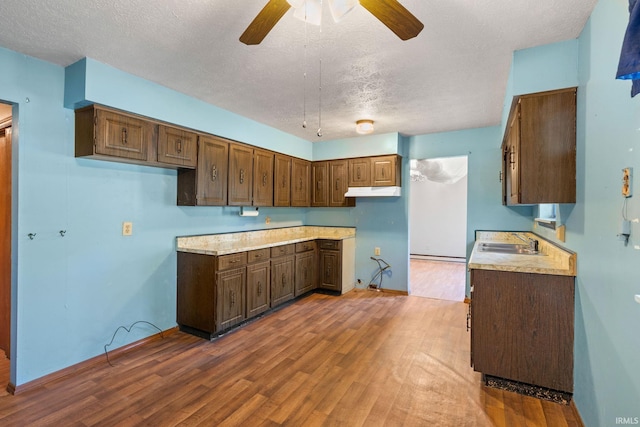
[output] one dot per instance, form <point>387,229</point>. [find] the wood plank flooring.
<point>363,359</point>
<point>438,279</point>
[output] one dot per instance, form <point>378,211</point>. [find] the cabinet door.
<point>522,327</point>
<point>213,163</point>
<point>196,296</point>
<point>122,136</point>
<point>319,184</point>
<point>177,146</point>
<point>338,184</point>
<point>262,178</point>
<point>513,174</point>
<point>331,270</point>
<point>305,272</point>
<point>360,172</point>
<point>258,288</point>
<point>300,174</point>
<point>383,171</point>
<point>282,181</point>
<point>240,175</point>
<point>282,285</point>
<point>230,305</point>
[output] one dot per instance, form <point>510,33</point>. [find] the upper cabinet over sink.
<point>539,149</point>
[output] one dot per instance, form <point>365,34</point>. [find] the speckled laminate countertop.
<point>552,259</point>
<point>229,243</point>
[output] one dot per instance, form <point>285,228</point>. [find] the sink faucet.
<point>533,243</point>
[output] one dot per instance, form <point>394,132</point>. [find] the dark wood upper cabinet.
<point>360,172</point>
<point>300,177</point>
<point>282,180</point>
<point>338,184</point>
<point>539,149</point>
<point>385,171</point>
<point>177,146</point>
<point>263,173</point>
<point>240,175</point>
<point>111,135</point>
<point>207,184</point>
<point>320,184</point>
<point>378,171</point>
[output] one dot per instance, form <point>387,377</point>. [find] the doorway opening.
<point>5,242</point>
<point>438,228</point>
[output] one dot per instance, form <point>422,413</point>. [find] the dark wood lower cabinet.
<point>282,285</point>
<point>522,327</point>
<point>216,293</point>
<point>330,265</point>
<point>258,288</point>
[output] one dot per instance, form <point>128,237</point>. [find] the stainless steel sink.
<point>507,248</point>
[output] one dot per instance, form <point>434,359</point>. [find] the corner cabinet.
<point>539,149</point>
<point>522,327</point>
<point>330,265</point>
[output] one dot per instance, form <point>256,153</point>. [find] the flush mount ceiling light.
<point>364,127</point>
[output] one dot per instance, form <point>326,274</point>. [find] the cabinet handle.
<point>305,274</point>
<point>232,298</point>
<point>284,280</point>
<point>383,172</point>
<point>300,183</point>
<point>327,273</point>
<point>241,176</point>
<point>511,160</point>
<point>214,172</point>
<point>259,288</point>
<point>469,318</point>
<point>124,136</point>
<point>284,181</point>
<point>337,182</point>
<point>358,172</point>
<point>318,185</point>
<point>179,145</point>
<point>500,176</point>
<point>233,261</point>
<point>264,179</point>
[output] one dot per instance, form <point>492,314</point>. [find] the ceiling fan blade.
<point>264,22</point>
<point>395,17</point>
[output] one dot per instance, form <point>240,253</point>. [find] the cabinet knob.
<point>264,179</point>
<point>214,172</point>
<point>124,136</point>
<point>500,176</point>
<point>241,176</point>
<point>512,154</point>
<point>358,172</point>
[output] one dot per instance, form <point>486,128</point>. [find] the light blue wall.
<point>72,292</point>
<point>607,348</point>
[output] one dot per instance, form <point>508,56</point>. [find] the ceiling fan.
<point>390,12</point>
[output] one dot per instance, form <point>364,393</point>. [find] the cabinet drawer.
<point>282,250</point>
<point>258,255</point>
<point>329,244</point>
<point>305,246</point>
<point>232,260</point>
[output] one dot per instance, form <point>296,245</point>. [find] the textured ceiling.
<point>452,76</point>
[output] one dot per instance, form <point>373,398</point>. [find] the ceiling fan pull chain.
<point>320,82</point>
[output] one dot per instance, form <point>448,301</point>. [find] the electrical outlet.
<point>127,228</point>
<point>627,179</point>
<point>267,220</point>
<point>376,251</point>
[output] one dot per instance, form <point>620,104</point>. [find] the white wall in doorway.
<point>438,207</point>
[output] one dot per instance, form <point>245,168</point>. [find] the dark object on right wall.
<point>629,65</point>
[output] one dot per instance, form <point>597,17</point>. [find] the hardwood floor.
<point>363,359</point>
<point>438,279</point>
<point>4,373</point>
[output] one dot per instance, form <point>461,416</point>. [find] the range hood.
<point>373,192</point>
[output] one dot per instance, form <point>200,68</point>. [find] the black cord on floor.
<point>106,353</point>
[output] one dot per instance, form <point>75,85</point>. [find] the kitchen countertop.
<point>552,259</point>
<point>229,243</point>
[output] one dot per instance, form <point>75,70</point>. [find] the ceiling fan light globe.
<point>310,12</point>
<point>339,8</point>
